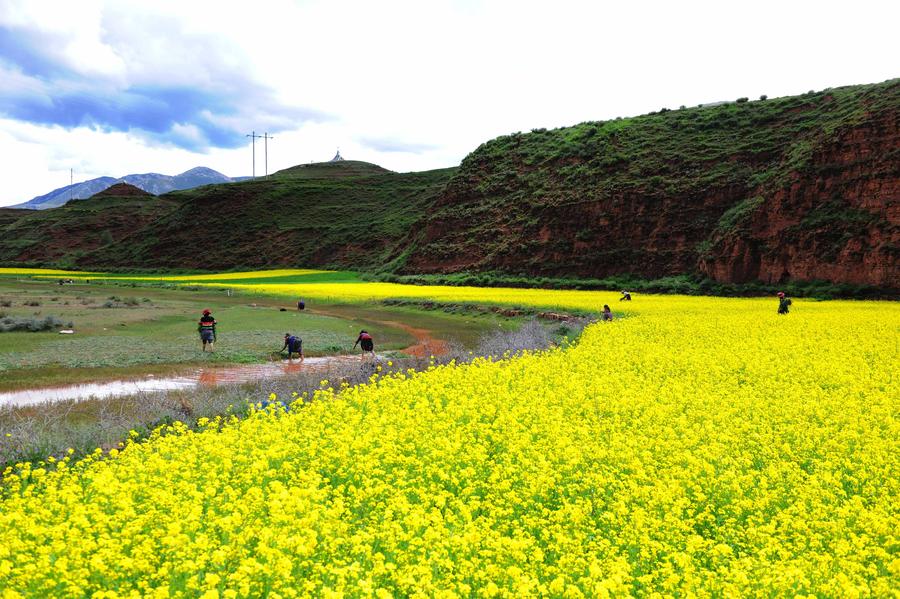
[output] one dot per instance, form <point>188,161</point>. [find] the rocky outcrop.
<point>838,220</point>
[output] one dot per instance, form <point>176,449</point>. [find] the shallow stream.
<point>150,384</point>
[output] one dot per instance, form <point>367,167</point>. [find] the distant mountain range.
<point>150,182</point>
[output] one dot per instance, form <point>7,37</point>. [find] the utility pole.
<point>266,137</point>
<point>254,137</point>
<point>71,180</point>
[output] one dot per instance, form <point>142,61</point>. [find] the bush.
<point>742,100</point>
<point>5,303</point>
<point>763,97</point>
<point>32,303</point>
<point>48,323</point>
<point>531,336</point>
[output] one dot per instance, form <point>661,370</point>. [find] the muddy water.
<point>203,376</point>
<point>425,345</point>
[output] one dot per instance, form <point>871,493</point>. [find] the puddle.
<point>203,376</point>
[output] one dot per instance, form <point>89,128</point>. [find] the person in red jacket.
<point>207,329</point>
<point>366,343</point>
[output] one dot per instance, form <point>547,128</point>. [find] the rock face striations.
<point>837,219</point>
<point>797,188</point>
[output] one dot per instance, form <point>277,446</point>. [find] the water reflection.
<point>203,376</point>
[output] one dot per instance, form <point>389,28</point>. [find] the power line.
<point>266,137</point>
<point>253,136</point>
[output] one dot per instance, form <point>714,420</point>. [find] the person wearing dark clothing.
<point>293,345</point>
<point>784,303</point>
<point>626,297</point>
<point>301,305</point>
<point>207,329</point>
<point>606,314</point>
<point>367,344</point>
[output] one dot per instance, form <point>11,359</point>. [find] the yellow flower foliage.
<point>356,292</point>
<point>41,272</point>
<point>226,276</point>
<point>697,447</point>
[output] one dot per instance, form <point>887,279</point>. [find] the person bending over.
<point>293,345</point>
<point>367,344</point>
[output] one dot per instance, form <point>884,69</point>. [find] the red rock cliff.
<point>797,188</point>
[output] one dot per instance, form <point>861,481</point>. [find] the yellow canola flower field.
<point>254,274</point>
<point>41,271</point>
<point>355,293</point>
<point>700,447</point>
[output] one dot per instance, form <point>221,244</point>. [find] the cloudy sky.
<point>115,87</point>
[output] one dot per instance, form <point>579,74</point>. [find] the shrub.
<point>742,100</point>
<point>48,323</point>
<point>763,97</point>
<point>5,303</point>
<point>32,303</point>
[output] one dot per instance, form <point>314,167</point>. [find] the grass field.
<point>126,331</point>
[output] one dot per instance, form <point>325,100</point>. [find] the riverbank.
<point>43,425</point>
<point>130,333</point>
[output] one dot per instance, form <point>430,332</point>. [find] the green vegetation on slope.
<point>646,195</point>
<point>63,236</point>
<point>349,214</point>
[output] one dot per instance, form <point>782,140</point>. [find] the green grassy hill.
<point>65,235</point>
<point>345,214</point>
<point>795,188</point>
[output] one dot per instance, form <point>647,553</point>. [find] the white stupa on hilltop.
<point>337,157</point>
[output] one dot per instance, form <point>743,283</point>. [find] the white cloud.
<point>440,77</point>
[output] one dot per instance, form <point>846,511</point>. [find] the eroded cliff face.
<point>838,220</point>
<point>804,189</point>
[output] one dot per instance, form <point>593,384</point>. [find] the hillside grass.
<point>538,202</point>
<point>343,219</point>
